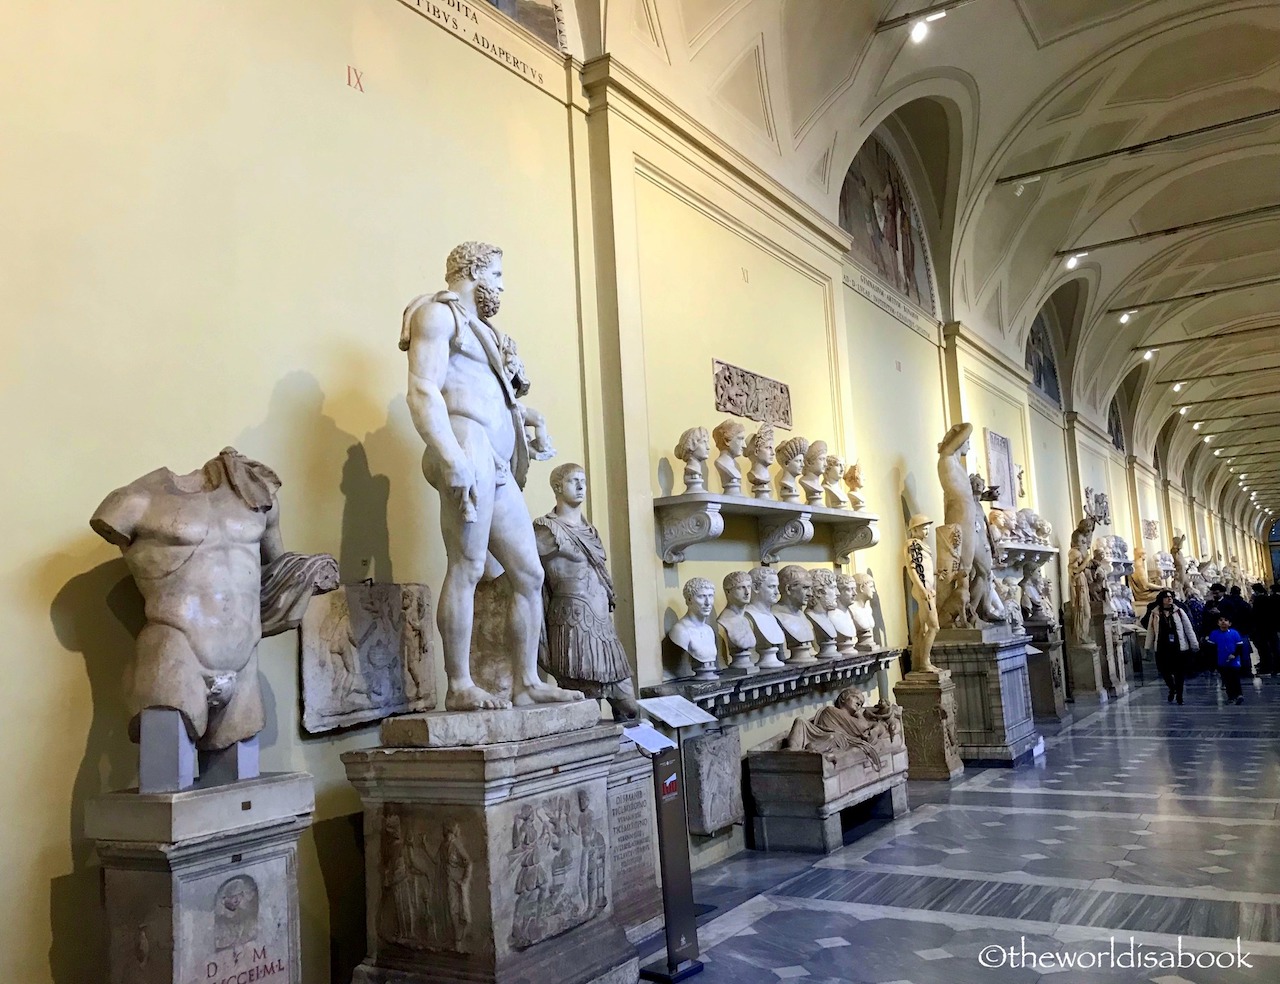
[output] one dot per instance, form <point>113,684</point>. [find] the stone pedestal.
<point>797,797</point>
<point>929,724</point>
<point>1046,674</point>
<point>1086,674</point>
<point>202,885</point>
<point>633,844</point>
<point>491,862</point>
<point>994,724</point>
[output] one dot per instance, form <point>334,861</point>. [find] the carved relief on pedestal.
<point>235,913</point>
<point>426,883</point>
<point>557,863</point>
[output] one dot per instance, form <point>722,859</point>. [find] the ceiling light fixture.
<point>1196,425</point>
<point>1073,261</point>
<point>1022,186</point>
<point>1183,411</point>
<point>936,16</point>
<point>1149,354</point>
<point>918,31</point>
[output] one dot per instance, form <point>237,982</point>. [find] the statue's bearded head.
<point>477,267</point>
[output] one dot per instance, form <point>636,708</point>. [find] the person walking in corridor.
<point>1171,638</point>
<point>1229,646</point>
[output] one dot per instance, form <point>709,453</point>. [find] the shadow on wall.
<point>329,487</point>
<point>96,614</point>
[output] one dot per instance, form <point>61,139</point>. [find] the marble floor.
<point>1145,826</point>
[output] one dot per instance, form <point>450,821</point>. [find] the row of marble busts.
<point>802,615</point>
<point>807,471</point>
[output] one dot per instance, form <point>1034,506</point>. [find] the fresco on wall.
<point>877,209</point>
<point>540,17</point>
<point>1114,427</point>
<point>1040,362</point>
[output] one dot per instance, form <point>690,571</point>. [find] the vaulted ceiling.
<point>1182,234</point>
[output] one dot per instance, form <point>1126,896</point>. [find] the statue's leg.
<point>512,543</point>
<point>466,548</point>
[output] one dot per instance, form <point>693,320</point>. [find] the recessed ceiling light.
<point>918,31</point>
<point>1149,354</point>
<point>1207,439</point>
<point>1177,387</point>
<point>1196,425</point>
<point>1183,411</point>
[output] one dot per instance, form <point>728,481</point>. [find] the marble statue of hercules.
<point>464,383</point>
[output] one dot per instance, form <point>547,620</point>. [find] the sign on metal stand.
<point>681,960</point>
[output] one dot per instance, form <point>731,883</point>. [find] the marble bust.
<point>736,627</point>
<point>761,454</point>
<point>580,647</point>
<point>846,630</point>
<point>812,477</point>
<point>791,454</point>
<point>853,482</point>
<point>205,551</point>
<point>693,448</point>
<point>694,634</point>
<point>769,635</point>
<point>796,589</point>
<point>822,602</point>
<point>730,438</point>
<point>465,386</point>
<point>832,469</point>
<point>860,611</point>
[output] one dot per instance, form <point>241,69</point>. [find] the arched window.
<point>1041,363</point>
<point>879,211</point>
<point>1114,428</point>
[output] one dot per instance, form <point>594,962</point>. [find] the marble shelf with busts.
<point>685,521</point>
<point>736,693</point>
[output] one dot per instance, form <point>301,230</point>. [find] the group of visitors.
<point>1220,633</point>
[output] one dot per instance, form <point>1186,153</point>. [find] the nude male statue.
<point>465,384</point>
<point>918,562</point>
<point>206,553</point>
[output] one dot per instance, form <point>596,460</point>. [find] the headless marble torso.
<point>196,554</point>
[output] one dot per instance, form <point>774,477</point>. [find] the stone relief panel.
<point>713,780</point>
<point>746,394</point>
<point>240,922</point>
<point>428,880</point>
<point>1001,470</point>
<point>556,866</point>
<point>366,655</point>
<point>1150,529</point>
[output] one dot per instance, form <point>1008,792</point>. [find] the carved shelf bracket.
<point>689,519</point>
<point>845,540</point>
<point>681,526</point>
<point>776,535</point>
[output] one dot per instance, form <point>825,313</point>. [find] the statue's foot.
<point>544,693</point>
<point>473,699</point>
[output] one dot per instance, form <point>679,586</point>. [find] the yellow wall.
<point>1122,518</point>
<point>209,241</point>
<point>1149,509</point>
<point>1052,486</point>
<point>994,397</point>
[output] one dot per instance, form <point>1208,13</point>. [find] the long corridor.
<point>1144,820</point>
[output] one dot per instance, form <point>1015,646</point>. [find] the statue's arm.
<point>272,542</point>
<point>117,518</point>
<point>430,331</point>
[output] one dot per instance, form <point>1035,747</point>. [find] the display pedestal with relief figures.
<point>491,861</point>
<point>928,700</point>
<point>202,885</point>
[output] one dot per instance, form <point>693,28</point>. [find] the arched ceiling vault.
<point>1026,87</point>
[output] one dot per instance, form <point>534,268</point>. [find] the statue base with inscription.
<point>1046,674</point>
<point>633,844</point>
<point>1084,667</point>
<point>202,885</point>
<point>928,700</point>
<point>797,798</point>
<point>492,862</point>
<point>994,723</point>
